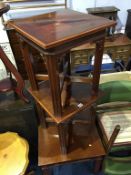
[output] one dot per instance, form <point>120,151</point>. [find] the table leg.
<point>28,65</point>
<point>62,137</point>
<point>97,65</point>
<point>52,66</point>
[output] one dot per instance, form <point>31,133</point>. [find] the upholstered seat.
<point>110,119</point>
<point>114,108</point>
<point>117,165</point>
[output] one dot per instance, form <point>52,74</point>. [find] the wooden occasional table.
<point>109,12</point>
<point>60,95</point>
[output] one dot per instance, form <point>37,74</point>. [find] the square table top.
<point>59,27</point>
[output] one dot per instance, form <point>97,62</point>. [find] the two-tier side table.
<point>59,94</point>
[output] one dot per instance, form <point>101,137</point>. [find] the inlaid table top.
<point>59,27</point>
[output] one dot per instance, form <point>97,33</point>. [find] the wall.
<point>81,5</point>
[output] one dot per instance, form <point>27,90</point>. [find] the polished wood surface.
<point>80,99</point>
<point>83,148</point>
<point>53,35</point>
<point>59,27</point>
<point>15,46</point>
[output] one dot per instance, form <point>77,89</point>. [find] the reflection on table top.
<point>56,28</point>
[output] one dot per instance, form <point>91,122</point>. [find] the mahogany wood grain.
<point>54,34</point>
<point>49,148</point>
<point>61,26</point>
<point>28,65</point>
<point>54,85</point>
<point>80,95</point>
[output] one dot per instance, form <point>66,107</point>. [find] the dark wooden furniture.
<point>9,84</point>
<point>15,46</point>
<point>109,12</point>
<point>89,147</point>
<point>128,24</point>
<point>13,38</point>
<point>55,89</point>
<point>61,95</point>
<point>118,49</point>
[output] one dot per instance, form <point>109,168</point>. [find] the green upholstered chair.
<point>117,165</point>
<point>114,108</point>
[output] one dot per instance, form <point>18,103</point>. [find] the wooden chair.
<point>8,84</point>
<point>114,108</point>
<point>117,165</point>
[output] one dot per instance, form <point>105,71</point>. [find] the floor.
<point>84,168</point>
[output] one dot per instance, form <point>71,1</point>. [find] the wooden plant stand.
<point>59,94</point>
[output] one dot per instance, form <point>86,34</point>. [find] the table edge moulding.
<point>54,35</point>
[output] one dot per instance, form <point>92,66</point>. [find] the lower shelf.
<point>80,98</point>
<point>82,148</point>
